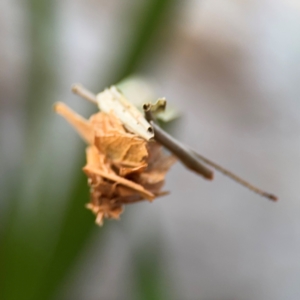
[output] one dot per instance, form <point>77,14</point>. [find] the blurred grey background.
<point>232,69</point>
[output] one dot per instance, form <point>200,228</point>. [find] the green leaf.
<point>42,242</point>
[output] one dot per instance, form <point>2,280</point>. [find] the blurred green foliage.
<point>149,269</point>
<point>37,256</point>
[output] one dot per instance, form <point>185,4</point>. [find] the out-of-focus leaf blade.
<point>34,260</point>
<point>148,271</point>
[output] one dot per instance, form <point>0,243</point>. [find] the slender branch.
<point>185,155</point>
<point>189,157</point>
<point>159,134</point>
<point>84,93</point>
<point>236,178</point>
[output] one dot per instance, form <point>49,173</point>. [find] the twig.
<point>185,155</point>
<point>84,93</point>
<point>112,100</point>
<point>236,178</point>
<point>159,134</point>
<point>189,157</point>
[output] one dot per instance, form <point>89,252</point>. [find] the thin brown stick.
<point>159,134</point>
<point>186,156</point>
<point>84,93</point>
<point>236,178</point>
<point>189,157</point>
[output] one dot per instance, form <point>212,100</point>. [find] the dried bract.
<point>122,167</point>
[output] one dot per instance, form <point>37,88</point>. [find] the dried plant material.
<point>125,171</point>
<point>137,188</point>
<point>122,148</point>
<point>159,105</point>
<point>158,165</point>
<point>107,209</point>
<point>121,167</point>
<point>125,164</point>
<point>82,125</point>
<point>112,100</point>
<point>190,158</point>
<point>106,122</point>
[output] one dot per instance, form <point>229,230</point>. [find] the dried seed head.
<point>121,166</point>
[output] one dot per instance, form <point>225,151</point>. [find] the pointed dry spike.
<point>115,213</point>
<point>81,125</point>
<point>99,218</point>
<point>92,157</point>
<point>130,184</point>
